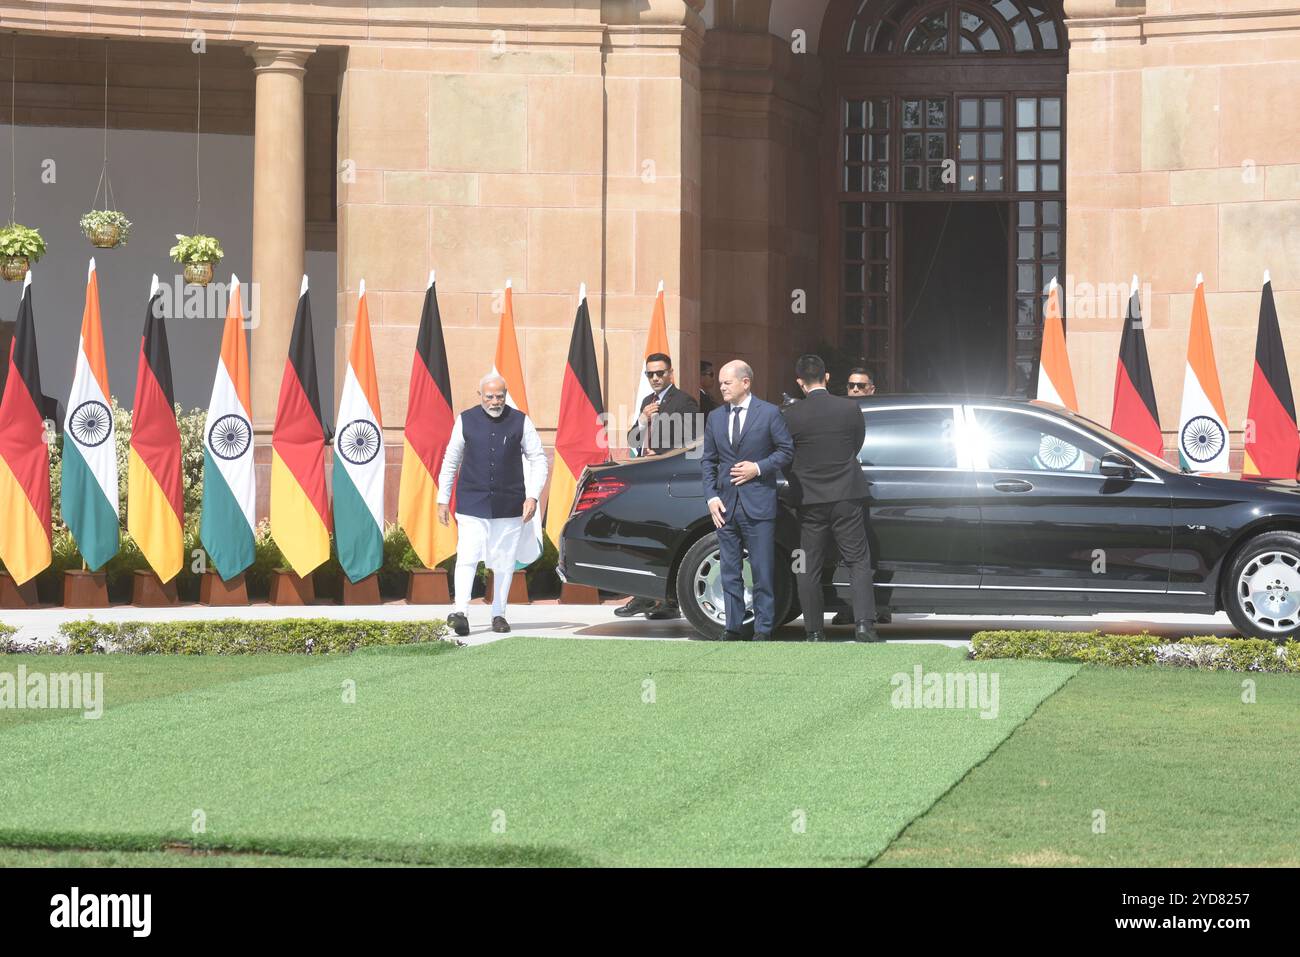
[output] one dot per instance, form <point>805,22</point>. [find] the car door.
<point>1051,522</point>
<point>923,521</point>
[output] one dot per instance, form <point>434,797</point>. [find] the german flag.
<point>300,508</point>
<point>580,433</point>
<point>1272,446</point>
<point>1135,416</point>
<point>24,456</point>
<point>155,512</point>
<point>429,421</point>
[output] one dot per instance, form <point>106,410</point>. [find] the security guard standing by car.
<point>828,431</point>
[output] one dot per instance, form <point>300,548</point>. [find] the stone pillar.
<point>279,216</point>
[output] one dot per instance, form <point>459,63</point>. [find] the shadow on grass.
<point>489,854</point>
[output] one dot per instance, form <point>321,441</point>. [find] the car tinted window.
<point>909,438</point>
<point>1015,441</point>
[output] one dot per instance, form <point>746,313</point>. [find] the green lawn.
<point>526,751</point>
<point>550,751</point>
<point>1186,773</point>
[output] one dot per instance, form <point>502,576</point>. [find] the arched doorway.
<point>944,219</point>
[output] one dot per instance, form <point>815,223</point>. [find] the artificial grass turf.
<point>131,678</point>
<point>1186,772</point>
<point>525,751</point>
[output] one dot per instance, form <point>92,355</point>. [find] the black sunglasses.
<point>651,374</point>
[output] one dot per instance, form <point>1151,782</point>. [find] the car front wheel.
<point>700,595</point>
<point>1263,587</point>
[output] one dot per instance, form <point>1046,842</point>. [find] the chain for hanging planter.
<point>20,246</point>
<point>104,225</point>
<point>197,253</point>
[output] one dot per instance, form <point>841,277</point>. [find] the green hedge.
<point>233,636</point>
<point>1092,647</point>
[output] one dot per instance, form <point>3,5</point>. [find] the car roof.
<point>935,398</point>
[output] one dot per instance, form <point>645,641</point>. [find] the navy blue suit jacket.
<point>765,441</point>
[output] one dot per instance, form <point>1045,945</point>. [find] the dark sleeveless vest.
<point>491,480</point>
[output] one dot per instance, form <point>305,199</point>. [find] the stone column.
<point>279,217</point>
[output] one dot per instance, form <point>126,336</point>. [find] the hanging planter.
<point>106,228</point>
<point>198,254</point>
<point>20,246</point>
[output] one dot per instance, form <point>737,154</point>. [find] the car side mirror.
<point>1118,465</point>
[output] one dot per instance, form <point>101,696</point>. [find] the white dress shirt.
<point>744,414</point>
<point>534,462</point>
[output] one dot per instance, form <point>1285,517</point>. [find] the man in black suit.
<point>828,432</point>
<point>707,385</point>
<point>746,445</point>
<point>668,419</point>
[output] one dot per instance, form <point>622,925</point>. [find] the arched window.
<point>955,27</point>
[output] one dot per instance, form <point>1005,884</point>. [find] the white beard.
<point>497,413</point>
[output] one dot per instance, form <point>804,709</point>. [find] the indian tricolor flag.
<point>155,510</point>
<point>1271,440</point>
<point>1055,381</point>
<point>1203,421</point>
<point>359,458</point>
<point>656,341</point>
<point>580,434</point>
<point>24,456</point>
<point>508,365</point>
<point>89,493</point>
<point>229,485</point>
<point>300,511</point>
<point>429,421</point>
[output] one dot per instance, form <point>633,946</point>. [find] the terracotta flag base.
<point>364,592</point>
<point>288,589</point>
<point>83,589</point>
<point>147,591</point>
<point>215,591</point>
<point>17,596</point>
<point>518,589</point>
<point>571,594</point>
<point>428,586</point>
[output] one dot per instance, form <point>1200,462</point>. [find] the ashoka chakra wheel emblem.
<point>230,436</point>
<point>1056,454</point>
<point>1202,439</point>
<point>91,423</point>
<point>358,442</point>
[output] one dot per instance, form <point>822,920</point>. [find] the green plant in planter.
<point>21,242</point>
<point>106,227</point>
<point>196,249</point>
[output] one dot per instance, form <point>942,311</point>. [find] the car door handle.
<point>1013,485</point>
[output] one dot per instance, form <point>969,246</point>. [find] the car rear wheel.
<point>1263,587</point>
<point>700,595</point>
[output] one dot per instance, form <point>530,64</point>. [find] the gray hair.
<point>741,368</point>
<point>493,377</point>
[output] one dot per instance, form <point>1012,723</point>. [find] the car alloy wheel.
<point>706,586</point>
<point>1268,589</point>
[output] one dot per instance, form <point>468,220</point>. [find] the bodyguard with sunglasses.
<point>668,419</point>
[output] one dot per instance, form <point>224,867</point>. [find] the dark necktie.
<point>735,427</point>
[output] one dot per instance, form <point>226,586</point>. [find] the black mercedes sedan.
<point>977,506</point>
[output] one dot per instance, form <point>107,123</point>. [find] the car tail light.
<point>596,491</point>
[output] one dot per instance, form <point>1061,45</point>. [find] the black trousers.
<point>841,523</point>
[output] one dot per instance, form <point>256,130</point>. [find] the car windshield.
<point>1137,452</point>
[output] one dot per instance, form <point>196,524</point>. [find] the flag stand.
<point>219,593</point>
<point>364,592</point>
<point>149,591</point>
<point>288,589</point>
<point>428,586</point>
<point>85,589</point>
<point>15,596</point>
